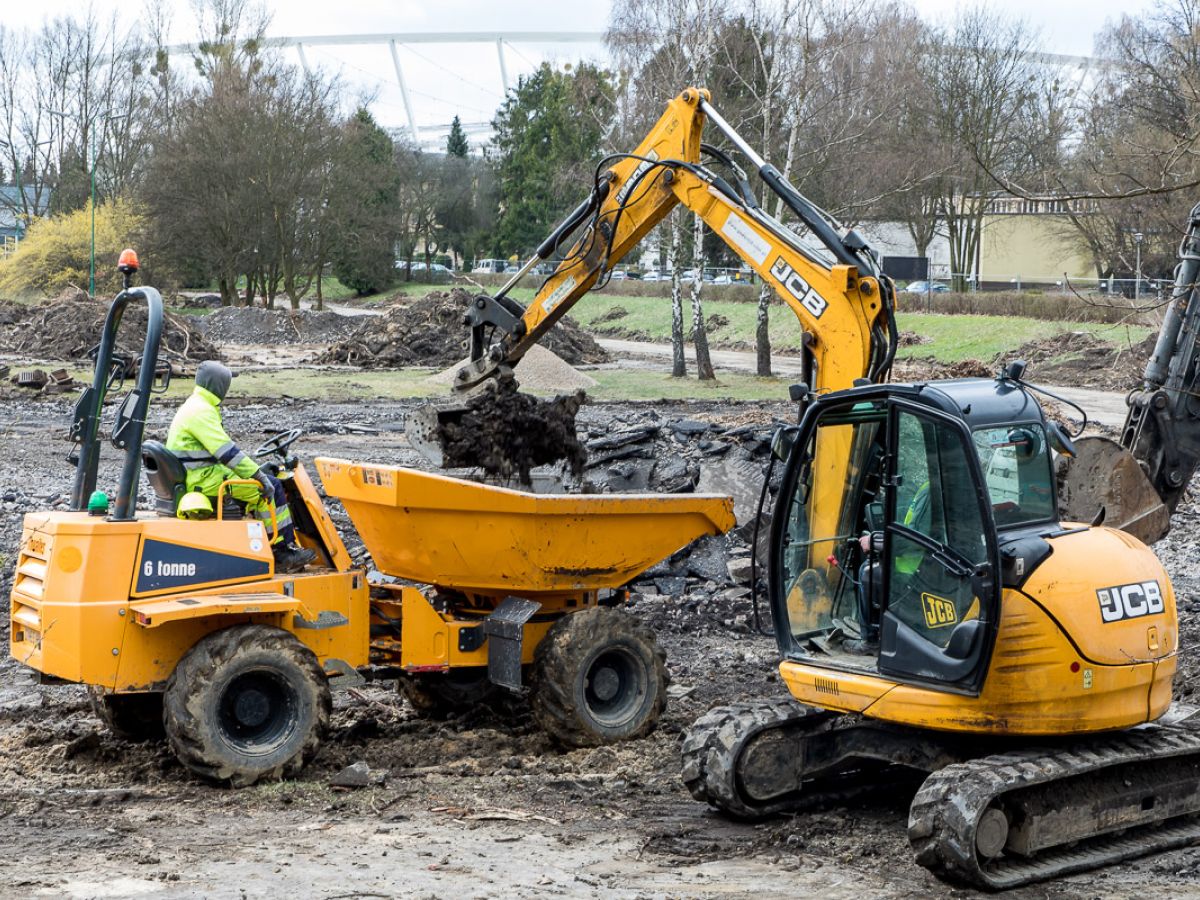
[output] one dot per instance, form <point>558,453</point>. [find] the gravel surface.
<point>481,804</point>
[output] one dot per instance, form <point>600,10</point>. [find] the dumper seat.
<point>168,480</point>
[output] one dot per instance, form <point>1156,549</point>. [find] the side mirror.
<point>784,441</point>
<point>1015,370</point>
<point>1059,440</point>
<point>162,378</point>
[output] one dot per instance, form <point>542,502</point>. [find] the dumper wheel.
<point>247,703</point>
<point>440,695</point>
<point>598,677</point>
<point>131,717</point>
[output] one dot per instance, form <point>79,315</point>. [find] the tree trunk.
<point>228,295</point>
<point>251,284</point>
<point>678,355</point>
<point>704,369</point>
<point>762,334</point>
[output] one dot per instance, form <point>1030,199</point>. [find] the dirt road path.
<point>1105,407</point>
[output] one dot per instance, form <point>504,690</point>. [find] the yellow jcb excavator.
<point>933,609</point>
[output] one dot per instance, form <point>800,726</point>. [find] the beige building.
<point>1033,242</point>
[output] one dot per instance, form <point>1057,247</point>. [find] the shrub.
<point>56,251</point>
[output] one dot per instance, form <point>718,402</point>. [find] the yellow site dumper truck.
<point>185,627</point>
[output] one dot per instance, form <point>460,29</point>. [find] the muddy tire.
<point>131,717</point>
<point>439,695</point>
<point>598,677</point>
<point>247,703</point>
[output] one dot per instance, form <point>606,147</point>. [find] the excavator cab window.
<point>1019,473</point>
<point>837,488</point>
<point>887,546</point>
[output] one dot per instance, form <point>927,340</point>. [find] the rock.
<point>358,775</point>
<point>690,426</point>
<point>673,586</point>
<point>709,559</point>
<point>738,569</point>
<point>740,478</point>
<point>673,475</point>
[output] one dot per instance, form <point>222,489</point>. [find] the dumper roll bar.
<point>130,421</point>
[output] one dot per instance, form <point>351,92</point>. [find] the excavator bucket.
<point>472,537</point>
<point>499,430</point>
<point>1104,477</point>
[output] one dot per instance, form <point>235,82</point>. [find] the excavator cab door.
<point>884,548</point>
<point>939,616</point>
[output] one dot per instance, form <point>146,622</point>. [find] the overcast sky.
<point>446,79</point>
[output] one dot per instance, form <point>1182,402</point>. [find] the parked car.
<point>925,287</point>
<point>490,267</point>
<point>617,275</point>
<point>653,275</point>
<point>434,274</point>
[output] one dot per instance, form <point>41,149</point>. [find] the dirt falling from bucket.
<point>509,433</point>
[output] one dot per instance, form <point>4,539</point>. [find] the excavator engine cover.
<point>1104,476</point>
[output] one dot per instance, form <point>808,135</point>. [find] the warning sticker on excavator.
<point>939,612</point>
<point>559,293</point>
<point>740,234</point>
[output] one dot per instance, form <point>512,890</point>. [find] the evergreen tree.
<point>456,141</point>
<point>365,207</point>
<point>548,138</point>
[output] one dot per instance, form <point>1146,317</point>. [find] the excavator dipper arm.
<point>1135,485</point>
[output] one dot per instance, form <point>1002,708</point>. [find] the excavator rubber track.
<point>716,744</point>
<point>1064,810</point>
<point>990,821</point>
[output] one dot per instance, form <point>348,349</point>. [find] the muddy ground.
<point>482,805</point>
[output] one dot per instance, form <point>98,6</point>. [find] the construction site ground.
<point>479,805</point>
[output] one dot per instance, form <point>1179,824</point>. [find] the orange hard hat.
<point>128,261</point>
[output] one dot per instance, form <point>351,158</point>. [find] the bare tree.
<point>661,47</point>
<point>984,96</point>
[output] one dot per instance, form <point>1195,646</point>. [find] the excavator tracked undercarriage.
<point>994,815</point>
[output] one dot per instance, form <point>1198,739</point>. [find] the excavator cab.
<point>896,502</point>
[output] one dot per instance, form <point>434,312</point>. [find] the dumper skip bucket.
<point>481,539</point>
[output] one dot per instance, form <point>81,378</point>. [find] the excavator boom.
<point>830,281</point>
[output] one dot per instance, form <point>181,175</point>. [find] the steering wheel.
<point>279,442</point>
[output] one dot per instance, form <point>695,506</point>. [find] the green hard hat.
<point>194,505</point>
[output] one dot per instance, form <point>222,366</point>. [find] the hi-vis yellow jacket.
<point>198,438</point>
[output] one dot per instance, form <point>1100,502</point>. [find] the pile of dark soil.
<point>255,325</point>
<point>68,326</point>
<point>507,433</point>
<point>914,370</point>
<point>1080,359</point>
<point>429,332</point>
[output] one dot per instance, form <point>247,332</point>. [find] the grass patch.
<point>635,384</point>
<point>343,386</point>
<point>952,337</point>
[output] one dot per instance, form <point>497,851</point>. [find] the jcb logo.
<point>798,287</point>
<point>1130,601</point>
<point>939,611</point>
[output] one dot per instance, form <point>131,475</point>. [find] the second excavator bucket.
<point>1105,476</point>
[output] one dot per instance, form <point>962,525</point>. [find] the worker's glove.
<point>263,477</point>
